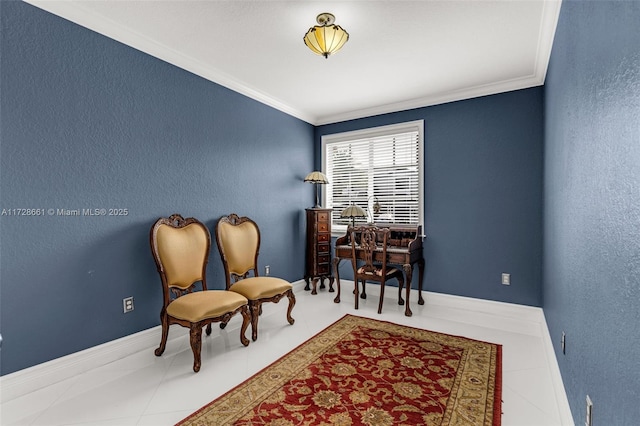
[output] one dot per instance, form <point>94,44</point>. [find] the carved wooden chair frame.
<point>368,239</point>
<point>255,306</point>
<point>169,294</point>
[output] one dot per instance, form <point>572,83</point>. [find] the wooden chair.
<point>238,240</point>
<point>180,248</point>
<point>369,260</point>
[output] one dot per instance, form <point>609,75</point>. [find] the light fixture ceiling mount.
<point>326,37</point>
<point>325,19</point>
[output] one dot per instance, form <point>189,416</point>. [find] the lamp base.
<point>317,206</point>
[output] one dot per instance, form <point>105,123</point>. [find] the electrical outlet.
<point>127,304</point>
<point>589,418</point>
<point>267,270</point>
<point>506,279</point>
<point>563,343</point>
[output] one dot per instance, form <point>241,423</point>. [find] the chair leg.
<point>356,291</point>
<point>246,319</point>
<point>209,329</point>
<point>164,320</point>
<point>400,285</point>
<point>195,338</point>
<point>255,308</point>
<point>381,297</point>
<point>292,303</point>
<point>336,264</point>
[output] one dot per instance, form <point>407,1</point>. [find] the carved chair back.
<point>367,240</point>
<point>238,239</point>
<point>180,248</point>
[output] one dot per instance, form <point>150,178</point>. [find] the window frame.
<point>376,132</point>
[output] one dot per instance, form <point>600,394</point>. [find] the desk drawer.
<point>323,238</point>
<point>324,249</point>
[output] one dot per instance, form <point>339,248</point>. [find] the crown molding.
<point>548,24</point>
<point>77,13</point>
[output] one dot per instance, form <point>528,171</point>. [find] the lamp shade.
<point>316,177</point>
<point>353,211</point>
<point>325,38</point>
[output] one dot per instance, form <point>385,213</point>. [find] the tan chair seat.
<point>255,288</point>
<point>200,305</point>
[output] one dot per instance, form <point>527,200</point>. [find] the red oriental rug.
<point>360,371</point>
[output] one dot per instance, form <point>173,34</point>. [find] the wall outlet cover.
<point>506,279</point>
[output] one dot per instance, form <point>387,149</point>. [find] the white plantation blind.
<point>385,163</point>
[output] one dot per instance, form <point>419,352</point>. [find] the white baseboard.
<point>561,395</point>
<point>48,373</point>
<point>473,304</point>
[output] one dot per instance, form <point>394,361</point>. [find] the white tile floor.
<point>143,389</point>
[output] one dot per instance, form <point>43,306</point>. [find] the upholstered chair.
<point>238,240</point>
<point>180,248</point>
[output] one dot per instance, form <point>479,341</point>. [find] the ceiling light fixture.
<point>326,37</point>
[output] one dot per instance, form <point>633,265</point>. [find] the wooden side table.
<point>318,259</point>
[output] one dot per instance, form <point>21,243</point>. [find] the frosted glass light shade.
<point>326,38</point>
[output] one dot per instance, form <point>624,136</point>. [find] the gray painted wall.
<point>592,207</point>
<point>483,194</point>
<point>90,123</point>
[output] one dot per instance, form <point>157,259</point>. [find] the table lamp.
<point>353,211</point>
<point>317,178</point>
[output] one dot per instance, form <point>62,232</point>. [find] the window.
<point>383,165</point>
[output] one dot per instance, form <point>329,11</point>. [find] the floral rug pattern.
<point>361,371</point>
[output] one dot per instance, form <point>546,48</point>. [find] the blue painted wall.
<point>90,123</point>
<point>592,207</point>
<point>483,194</point>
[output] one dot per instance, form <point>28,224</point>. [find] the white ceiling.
<point>400,54</point>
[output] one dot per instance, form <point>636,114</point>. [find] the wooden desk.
<point>405,250</point>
